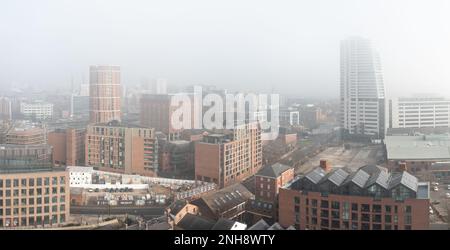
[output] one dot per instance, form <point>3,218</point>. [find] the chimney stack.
<point>402,167</point>
<point>325,165</point>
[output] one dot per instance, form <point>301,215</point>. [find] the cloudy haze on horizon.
<point>291,47</point>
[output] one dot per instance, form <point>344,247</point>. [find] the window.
<point>334,214</point>
<point>376,227</point>
<point>365,217</point>
<point>387,208</point>
<point>354,207</point>
<point>324,213</point>
<point>408,209</point>
<point>335,204</point>
<point>408,219</point>
<point>297,209</point>
<point>297,200</point>
<point>354,216</point>
<point>376,208</point>
<point>16,183</point>
<point>376,218</point>
<point>39,181</point>
<point>365,226</point>
<point>387,219</point>
<point>47,181</point>
<point>31,182</point>
<point>365,208</point>
<point>324,204</point>
<point>54,181</point>
<point>314,202</point>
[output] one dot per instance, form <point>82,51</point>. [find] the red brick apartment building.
<point>367,199</point>
<point>229,158</point>
<point>68,146</point>
<point>120,148</point>
<point>270,179</point>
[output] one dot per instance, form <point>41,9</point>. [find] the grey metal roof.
<point>363,179</point>
<point>338,176</point>
<point>419,147</point>
<point>404,178</point>
<point>315,175</point>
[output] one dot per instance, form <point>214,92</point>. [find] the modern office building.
<point>121,148</point>
<point>370,198</point>
<point>37,110</point>
<point>362,90</point>
<point>229,157</point>
<point>419,112</point>
<point>33,197</point>
<point>105,94</point>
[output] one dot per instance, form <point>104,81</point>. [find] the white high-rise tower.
<point>362,89</point>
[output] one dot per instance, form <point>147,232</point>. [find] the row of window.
<point>32,181</point>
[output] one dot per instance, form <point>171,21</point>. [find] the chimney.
<point>402,167</point>
<point>325,165</point>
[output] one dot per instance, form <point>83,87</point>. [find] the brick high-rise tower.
<point>105,94</point>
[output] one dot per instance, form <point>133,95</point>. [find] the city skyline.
<point>284,48</point>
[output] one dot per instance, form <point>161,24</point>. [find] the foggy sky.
<point>291,47</point>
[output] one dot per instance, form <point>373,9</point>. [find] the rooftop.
<point>371,180</point>
<point>195,222</point>
<point>28,169</point>
<point>226,198</point>
<point>418,147</point>
<point>274,170</point>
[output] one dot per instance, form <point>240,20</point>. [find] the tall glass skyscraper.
<point>362,90</point>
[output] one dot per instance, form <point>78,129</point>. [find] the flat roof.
<point>418,147</point>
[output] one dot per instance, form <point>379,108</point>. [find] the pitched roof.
<point>226,198</point>
<point>195,222</point>
<point>260,225</point>
<point>274,170</point>
<point>176,207</point>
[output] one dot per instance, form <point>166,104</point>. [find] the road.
<point>105,210</point>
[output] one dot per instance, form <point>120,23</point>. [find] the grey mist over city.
<point>290,47</point>
<point>224,115</point>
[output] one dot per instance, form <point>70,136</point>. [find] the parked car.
<point>448,187</point>
<point>447,195</point>
<point>435,189</point>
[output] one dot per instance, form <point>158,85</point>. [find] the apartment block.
<point>229,157</point>
<point>68,146</point>
<point>370,198</point>
<point>122,148</point>
<point>105,94</point>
